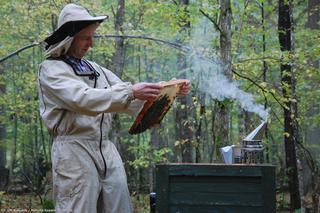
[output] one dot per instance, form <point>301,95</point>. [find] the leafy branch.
<point>18,51</point>
<point>170,43</point>
<point>216,25</point>
<point>259,86</point>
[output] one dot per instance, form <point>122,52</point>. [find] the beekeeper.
<point>76,99</point>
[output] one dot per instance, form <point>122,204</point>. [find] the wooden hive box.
<point>210,188</point>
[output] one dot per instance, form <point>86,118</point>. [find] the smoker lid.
<point>257,133</point>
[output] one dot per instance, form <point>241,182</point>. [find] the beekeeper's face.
<point>83,41</point>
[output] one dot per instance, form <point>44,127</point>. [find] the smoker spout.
<point>258,133</point>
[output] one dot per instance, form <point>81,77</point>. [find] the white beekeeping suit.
<point>88,173</point>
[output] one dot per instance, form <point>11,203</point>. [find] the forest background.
<point>247,61</point>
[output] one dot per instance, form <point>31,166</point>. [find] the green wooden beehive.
<point>210,188</point>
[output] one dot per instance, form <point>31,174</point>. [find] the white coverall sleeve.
<point>66,90</point>
<point>135,105</point>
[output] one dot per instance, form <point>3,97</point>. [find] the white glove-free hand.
<point>184,89</point>
<point>146,91</point>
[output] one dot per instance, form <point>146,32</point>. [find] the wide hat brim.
<point>70,29</point>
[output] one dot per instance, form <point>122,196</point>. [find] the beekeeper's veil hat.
<point>72,19</point>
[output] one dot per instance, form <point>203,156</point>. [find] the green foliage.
<point>47,204</point>
<point>1,195</point>
<point>146,156</point>
<point>140,203</point>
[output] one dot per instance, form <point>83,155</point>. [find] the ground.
<point>32,203</point>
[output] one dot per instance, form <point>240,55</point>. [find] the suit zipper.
<point>100,142</point>
<point>100,146</point>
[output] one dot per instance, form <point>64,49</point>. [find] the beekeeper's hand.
<point>146,91</point>
<point>184,89</point>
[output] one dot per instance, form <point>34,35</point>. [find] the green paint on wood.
<point>204,188</point>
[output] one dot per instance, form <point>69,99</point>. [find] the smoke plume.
<point>211,80</point>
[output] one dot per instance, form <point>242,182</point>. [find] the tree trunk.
<point>156,144</point>
<point>118,56</point>
<point>117,67</point>
<point>241,124</point>
<point>264,75</point>
<point>288,82</point>
<point>14,145</point>
<point>313,14</point>
<point>222,123</point>
<point>214,121</point>
<point>183,124</point>
<point>3,171</point>
<point>199,133</point>
<point>14,117</point>
<point>2,128</point>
